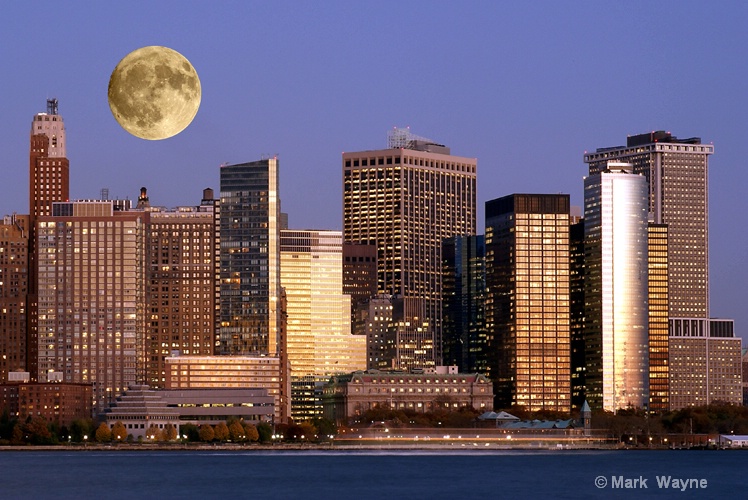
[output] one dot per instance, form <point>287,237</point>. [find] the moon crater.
<point>154,93</point>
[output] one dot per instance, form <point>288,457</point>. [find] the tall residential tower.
<point>250,312</point>
<point>49,181</point>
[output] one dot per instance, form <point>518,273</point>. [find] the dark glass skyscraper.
<point>463,316</point>
<point>250,259</point>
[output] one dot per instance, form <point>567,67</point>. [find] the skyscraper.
<point>616,288</point>
<point>676,171</point>
<point>91,297</point>
<point>576,315</point>
<point>250,312</point>
<point>527,300</point>
<point>406,200</point>
<point>49,181</point>
<point>659,368</point>
<point>181,280</point>
<point>14,262</point>
<point>49,169</point>
<point>318,336</point>
<point>464,289</point>
<point>359,278</point>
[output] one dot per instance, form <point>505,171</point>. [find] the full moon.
<point>154,93</point>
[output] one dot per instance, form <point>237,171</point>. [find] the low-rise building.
<point>140,408</point>
<point>349,396</point>
<point>215,372</point>
<point>705,362</point>
<point>59,403</point>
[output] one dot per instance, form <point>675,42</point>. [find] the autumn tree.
<point>207,433</point>
<point>221,432</point>
<point>16,436</point>
<point>251,432</point>
<point>170,432</point>
<point>36,431</point>
<point>103,433</point>
<point>154,434</point>
<point>236,432</point>
<point>119,432</point>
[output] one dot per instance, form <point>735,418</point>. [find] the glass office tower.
<point>616,288</point>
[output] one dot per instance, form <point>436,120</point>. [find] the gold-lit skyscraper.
<point>527,301</point>
<point>616,327</point>
<point>318,337</point>
<point>406,200</point>
<point>659,371</point>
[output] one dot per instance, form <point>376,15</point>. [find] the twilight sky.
<point>525,87</point>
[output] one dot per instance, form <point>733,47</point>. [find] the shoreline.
<point>330,447</point>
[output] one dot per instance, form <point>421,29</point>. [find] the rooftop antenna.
<point>52,106</point>
<point>104,194</point>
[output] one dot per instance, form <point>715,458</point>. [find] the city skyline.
<point>525,92</point>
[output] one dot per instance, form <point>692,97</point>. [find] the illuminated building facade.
<point>91,294</point>
<point>659,371</point>
<point>464,292</point>
<point>250,259</point>
<point>349,396</point>
<point>215,372</point>
<point>527,301</point>
<point>141,408</point>
<point>616,289</point>
<point>14,288</point>
<point>49,168</point>
<point>406,200</point>
<point>359,278</point>
<point>58,403</point>
<point>705,362</point>
<point>182,280</point>
<point>49,181</point>
<point>745,375</point>
<point>676,171</point>
<point>319,341</point>
<point>375,320</point>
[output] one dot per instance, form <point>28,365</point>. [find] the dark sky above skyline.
<point>526,88</point>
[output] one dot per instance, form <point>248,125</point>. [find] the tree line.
<point>630,425</point>
<point>37,431</point>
